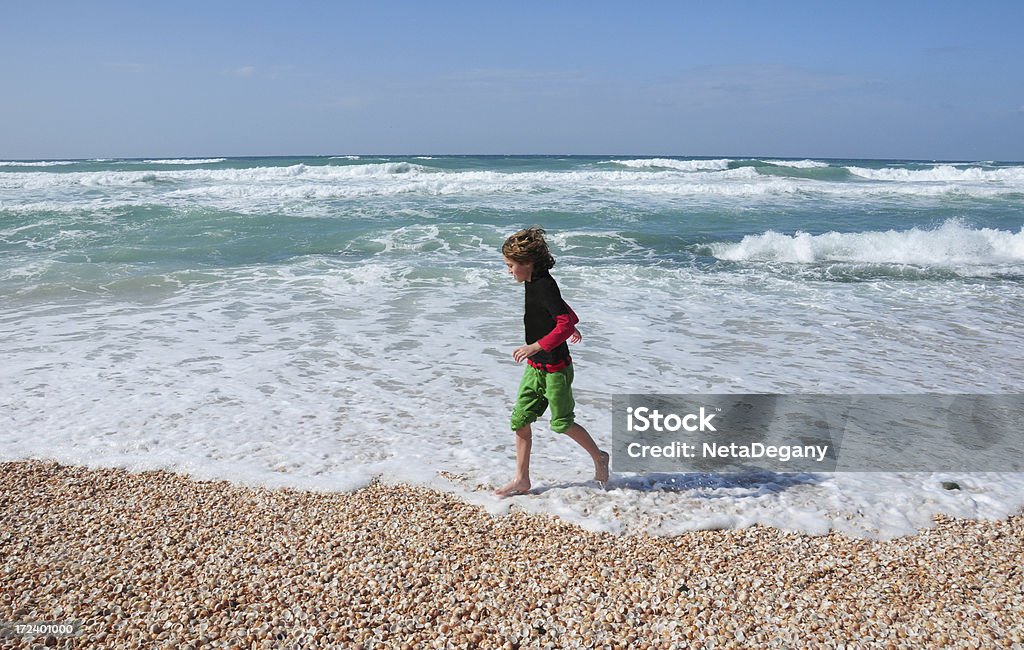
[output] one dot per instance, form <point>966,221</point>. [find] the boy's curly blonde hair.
<point>528,246</point>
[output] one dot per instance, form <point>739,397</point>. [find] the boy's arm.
<point>564,329</point>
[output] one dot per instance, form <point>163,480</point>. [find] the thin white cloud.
<point>504,84</point>
<point>485,76</point>
<point>264,72</point>
<point>347,102</point>
<point>945,50</point>
<point>126,67</point>
<point>757,84</point>
<point>244,72</point>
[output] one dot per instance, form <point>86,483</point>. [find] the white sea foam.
<point>798,164</point>
<point>254,175</point>
<point>942,173</point>
<point>58,206</point>
<point>37,163</point>
<point>281,376</point>
<point>671,163</point>
<point>258,188</point>
<point>186,161</point>
<point>951,245</point>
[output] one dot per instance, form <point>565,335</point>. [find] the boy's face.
<point>521,272</point>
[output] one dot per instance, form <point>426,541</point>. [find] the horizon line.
<point>495,155</point>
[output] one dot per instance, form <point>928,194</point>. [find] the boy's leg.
<point>521,483</point>
<point>563,419</point>
<point>600,458</point>
<point>530,404</point>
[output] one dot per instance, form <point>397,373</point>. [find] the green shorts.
<point>537,390</point>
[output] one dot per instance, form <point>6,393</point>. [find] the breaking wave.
<point>952,245</point>
<point>797,164</point>
<point>631,181</point>
<point>35,163</point>
<point>186,161</point>
<point>942,173</point>
<point>669,163</point>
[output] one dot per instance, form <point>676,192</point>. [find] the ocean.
<point>322,322</point>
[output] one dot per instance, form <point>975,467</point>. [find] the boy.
<point>547,378</point>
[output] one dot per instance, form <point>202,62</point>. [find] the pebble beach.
<point>154,559</point>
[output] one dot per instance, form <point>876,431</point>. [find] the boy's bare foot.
<point>517,487</point>
<point>601,469</point>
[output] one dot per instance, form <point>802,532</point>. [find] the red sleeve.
<point>564,325</point>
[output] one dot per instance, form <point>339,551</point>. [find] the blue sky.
<point>936,80</point>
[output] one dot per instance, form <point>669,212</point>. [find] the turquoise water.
<point>316,322</point>
<point>229,212</point>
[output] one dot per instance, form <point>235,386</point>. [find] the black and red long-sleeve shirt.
<point>549,322</point>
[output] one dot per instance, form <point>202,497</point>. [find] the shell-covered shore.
<point>154,559</point>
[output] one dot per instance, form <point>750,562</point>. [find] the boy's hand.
<point>575,337</point>
<point>524,351</point>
